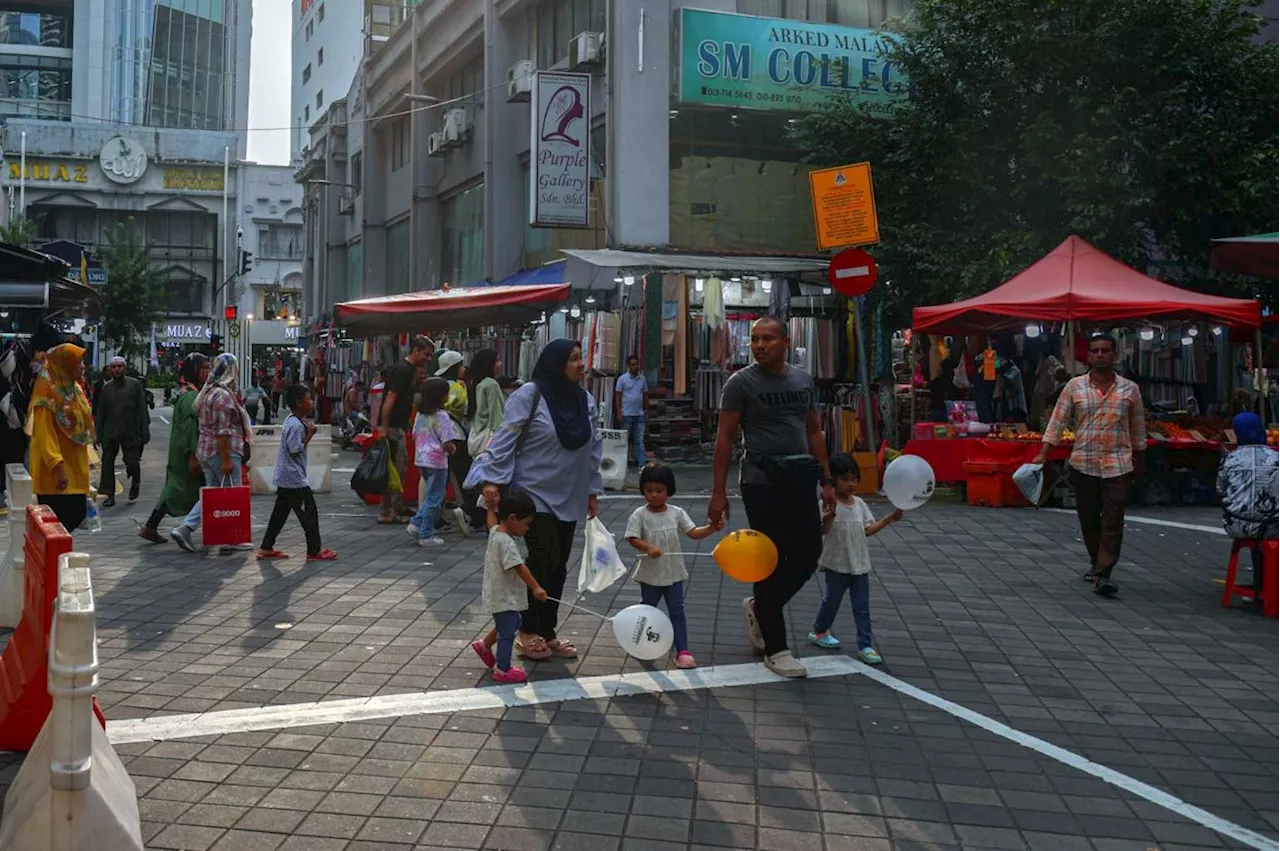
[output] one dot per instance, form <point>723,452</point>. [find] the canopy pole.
<point>864,375</point>
<point>912,360</point>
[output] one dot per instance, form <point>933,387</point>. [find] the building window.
<point>280,242</point>
<point>310,29</point>
<point>468,81</point>
<point>398,249</point>
<point>558,21</point>
<point>400,143</point>
<point>189,79</point>
<point>306,74</point>
<point>320,13</point>
<point>281,304</point>
<point>184,292</point>
<point>320,57</point>
<point>462,237</point>
<point>306,115</point>
<point>319,98</point>
<point>357,174</point>
<point>35,86</point>
<point>847,13</point>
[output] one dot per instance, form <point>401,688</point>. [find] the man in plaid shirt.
<point>1111,435</point>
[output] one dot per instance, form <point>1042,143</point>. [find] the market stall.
<point>1043,315</point>
<point>447,308</point>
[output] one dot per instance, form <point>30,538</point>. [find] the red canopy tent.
<point>1077,282</point>
<point>449,309</point>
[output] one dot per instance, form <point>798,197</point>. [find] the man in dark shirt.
<point>123,423</point>
<point>397,405</point>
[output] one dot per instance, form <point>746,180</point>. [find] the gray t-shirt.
<point>502,588</point>
<point>291,461</point>
<point>774,409</point>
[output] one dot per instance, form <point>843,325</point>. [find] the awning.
<point>552,273</point>
<point>595,269</point>
<point>448,310</point>
<point>1255,255</point>
<point>34,279</point>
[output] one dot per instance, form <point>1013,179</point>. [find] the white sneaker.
<point>430,542</point>
<point>784,664</point>
<point>754,637</point>
<point>412,530</point>
<point>464,522</point>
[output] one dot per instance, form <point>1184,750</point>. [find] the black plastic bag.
<point>372,473</point>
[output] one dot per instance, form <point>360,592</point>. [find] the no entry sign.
<point>852,272</point>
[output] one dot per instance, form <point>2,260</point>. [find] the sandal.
<point>323,555</point>
<point>563,649</point>
<point>271,554</point>
<point>534,648</point>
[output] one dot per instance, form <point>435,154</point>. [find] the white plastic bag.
<point>1030,480</point>
<point>601,566</point>
<point>960,376</point>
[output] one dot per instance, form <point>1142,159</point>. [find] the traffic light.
<point>215,344</point>
<point>231,312</point>
<point>246,261</point>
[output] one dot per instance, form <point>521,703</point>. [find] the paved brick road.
<point>981,607</point>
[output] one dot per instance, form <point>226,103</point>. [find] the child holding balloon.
<point>506,577</point>
<point>845,563</point>
<point>655,529</point>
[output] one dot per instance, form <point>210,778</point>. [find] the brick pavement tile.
<point>312,843</point>
<point>186,837</point>
<point>453,835</point>
<point>243,840</point>
<point>775,839</point>
<point>212,815</point>
<point>585,842</point>
<point>722,834</point>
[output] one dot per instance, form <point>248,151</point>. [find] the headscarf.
<point>483,363</point>
<point>190,368</point>
<point>1248,428</point>
<point>58,389</point>
<point>225,373</point>
<point>565,399</point>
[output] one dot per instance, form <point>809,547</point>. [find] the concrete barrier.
<point>72,792</point>
<point>266,449</point>
<point>17,496</point>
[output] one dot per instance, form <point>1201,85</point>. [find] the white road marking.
<point>342,469</point>
<point>1154,521</point>
<point>161,419</point>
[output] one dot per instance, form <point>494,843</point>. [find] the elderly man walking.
<point>124,425</point>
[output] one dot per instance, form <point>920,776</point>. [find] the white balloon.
<point>644,632</point>
<point>908,482</point>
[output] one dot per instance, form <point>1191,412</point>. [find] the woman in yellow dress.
<point>61,428</point>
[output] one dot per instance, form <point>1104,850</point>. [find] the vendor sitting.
<point>1247,480</point>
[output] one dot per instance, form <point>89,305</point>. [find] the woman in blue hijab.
<point>1247,482</point>
<point>549,445</point>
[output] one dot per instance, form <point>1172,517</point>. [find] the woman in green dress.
<point>183,478</point>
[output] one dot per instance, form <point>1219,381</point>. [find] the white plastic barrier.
<point>613,463</point>
<point>13,578</point>
<point>266,449</point>
<point>72,792</point>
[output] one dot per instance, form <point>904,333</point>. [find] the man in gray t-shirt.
<point>775,405</point>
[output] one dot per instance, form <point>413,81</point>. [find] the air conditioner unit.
<point>435,145</point>
<point>457,128</point>
<point>346,205</point>
<point>520,81</point>
<point>585,50</point>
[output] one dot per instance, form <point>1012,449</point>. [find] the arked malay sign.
<point>560,158</point>
<point>769,63</point>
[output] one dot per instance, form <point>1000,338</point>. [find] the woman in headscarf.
<point>485,405</point>
<point>450,366</point>
<point>1247,481</point>
<point>549,445</point>
<point>223,436</point>
<point>183,474</point>
<point>60,423</point>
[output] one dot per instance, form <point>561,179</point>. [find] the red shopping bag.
<point>224,516</point>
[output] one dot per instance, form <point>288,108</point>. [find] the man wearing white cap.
<point>124,424</point>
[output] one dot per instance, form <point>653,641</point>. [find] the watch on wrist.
<point>828,480</point>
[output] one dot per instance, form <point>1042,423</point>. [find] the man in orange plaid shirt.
<point>1111,435</point>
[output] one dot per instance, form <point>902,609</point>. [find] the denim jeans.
<point>428,516</point>
<point>674,595</point>
<point>213,477</point>
<point>834,587</point>
<point>507,624</point>
<point>634,427</point>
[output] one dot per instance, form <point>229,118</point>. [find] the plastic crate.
<point>991,485</point>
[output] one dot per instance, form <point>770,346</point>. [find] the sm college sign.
<point>767,63</point>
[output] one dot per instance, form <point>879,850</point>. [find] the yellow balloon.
<point>746,555</point>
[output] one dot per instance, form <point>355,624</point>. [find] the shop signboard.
<point>193,179</point>
<point>184,332</point>
<point>844,206</point>
<point>747,62</point>
<point>560,172</point>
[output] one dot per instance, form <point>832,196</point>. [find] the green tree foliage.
<point>1147,127</point>
<point>133,293</point>
<point>19,230</point>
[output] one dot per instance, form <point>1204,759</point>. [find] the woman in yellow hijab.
<point>61,428</point>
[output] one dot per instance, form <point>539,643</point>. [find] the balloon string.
<point>579,608</point>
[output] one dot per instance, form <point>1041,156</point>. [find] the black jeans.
<point>549,539</point>
<point>301,502</point>
<point>132,464</point>
<point>1100,508</point>
<point>791,519</point>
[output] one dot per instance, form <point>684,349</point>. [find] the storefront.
<point>177,337</point>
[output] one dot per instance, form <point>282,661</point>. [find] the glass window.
<point>35,29</point>
<point>184,292</point>
<point>320,13</point>
<point>848,13</point>
<point>320,56</point>
<point>558,21</point>
<point>306,74</point>
<point>398,248</point>
<point>400,143</point>
<point>357,174</point>
<point>319,98</point>
<point>280,242</point>
<point>462,237</point>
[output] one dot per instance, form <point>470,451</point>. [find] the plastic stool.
<point>1270,576</point>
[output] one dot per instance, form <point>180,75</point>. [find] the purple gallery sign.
<point>560,168</point>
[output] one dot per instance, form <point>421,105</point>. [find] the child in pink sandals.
<point>505,579</point>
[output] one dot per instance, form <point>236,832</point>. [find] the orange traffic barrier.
<point>24,666</point>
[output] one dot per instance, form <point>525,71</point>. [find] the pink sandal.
<point>563,649</point>
<point>535,648</point>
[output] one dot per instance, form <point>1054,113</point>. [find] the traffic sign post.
<point>853,273</point>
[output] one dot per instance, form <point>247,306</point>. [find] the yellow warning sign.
<point>844,206</point>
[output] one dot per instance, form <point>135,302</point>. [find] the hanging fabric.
<point>713,304</point>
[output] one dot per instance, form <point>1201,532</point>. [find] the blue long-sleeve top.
<point>558,479</point>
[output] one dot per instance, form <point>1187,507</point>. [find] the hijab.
<point>224,375</point>
<point>58,389</point>
<point>190,367</point>
<point>482,365</point>
<point>565,399</point>
<point>1248,428</point>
